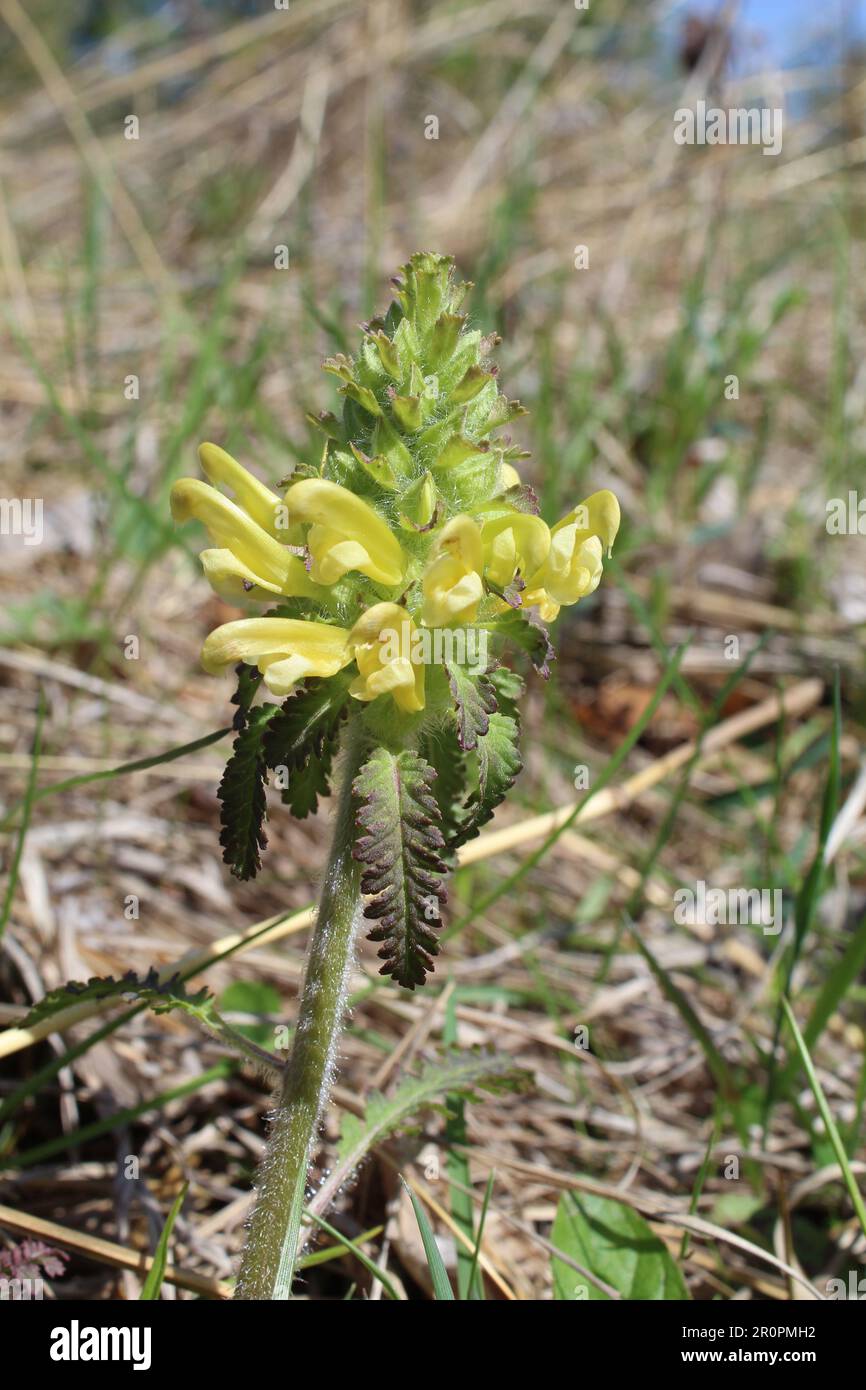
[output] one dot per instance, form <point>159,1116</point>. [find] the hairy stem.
<point>268,1261</point>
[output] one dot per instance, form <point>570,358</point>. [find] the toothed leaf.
<point>499,762</point>
<point>249,680</point>
<point>441,750</point>
<point>474,700</point>
<point>457,1072</point>
<point>303,738</point>
<point>162,997</point>
<point>400,844</point>
<point>243,803</point>
<point>525,629</point>
<point>509,688</point>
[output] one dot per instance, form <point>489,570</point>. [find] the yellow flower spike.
<point>346,533</point>
<point>286,650</point>
<point>573,567</point>
<point>452,584</point>
<point>516,541</point>
<point>264,506</point>
<point>257,557</point>
<point>384,644</point>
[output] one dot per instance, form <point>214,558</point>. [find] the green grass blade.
<point>824,1111</point>
<point>364,1259</point>
<point>442,1289</point>
<point>622,752</point>
<point>140,765</point>
<point>27,807</point>
<point>475,1282</point>
<point>715,1061</point>
<point>155,1275</point>
<point>120,1117</point>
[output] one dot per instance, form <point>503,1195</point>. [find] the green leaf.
<point>499,762</point>
<point>616,1244</point>
<point>508,687</point>
<point>715,1061</point>
<point>836,984</point>
<point>389,355</point>
<point>161,996</point>
<point>407,412</point>
<point>29,797</point>
<point>344,1243</point>
<point>475,700</point>
<point>256,998</point>
<point>303,739</point>
<point>474,380</point>
<point>249,680</point>
<point>456,1072</point>
<point>242,795</point>
<point>155,1275</point>
<point>443,339</point>
<point>526,630</point>
<point>400,845</point>
<point>440,749</point>
<point>363,396</point>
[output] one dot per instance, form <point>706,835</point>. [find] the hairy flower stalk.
<point>397,572</point>
<point>272,1241</point>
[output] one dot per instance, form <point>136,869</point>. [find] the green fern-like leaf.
<point>499,762</point>
<point>474,699</point>
<point>249,680</point>
<point>456,1072</point>
<point>509,688</point>
<point>303,738</point>
<point>525,629</point>
<point>161,996</point>
<point>440,748</point>
<point>243,803</point>
<point>400,845</point>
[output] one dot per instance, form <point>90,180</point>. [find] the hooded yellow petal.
<point>548,611</point>
<point>461,538</point>
<point>599,515</point>
<point>236,583</point>
<point>452,584</point>
<point>264,506</point>
<point>341,514</point>
<point>314,649</point>
<point>333,555</point>
<point>231,529</point>
<point>515,541</point>
<point>573,567</point>
<point>383,644</point>
<point>373,622</point>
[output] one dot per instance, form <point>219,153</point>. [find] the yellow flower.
<point>286,650</point>
<point>248,561</point>
<point>264,506</point>
<point>345,533</point>
<point>508,477</point>
<point>573,566</point>
<point>452,583</point>
<point>515,541</point>
<point>384,643</point>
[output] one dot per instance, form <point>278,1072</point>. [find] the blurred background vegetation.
<point>686,326</point>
